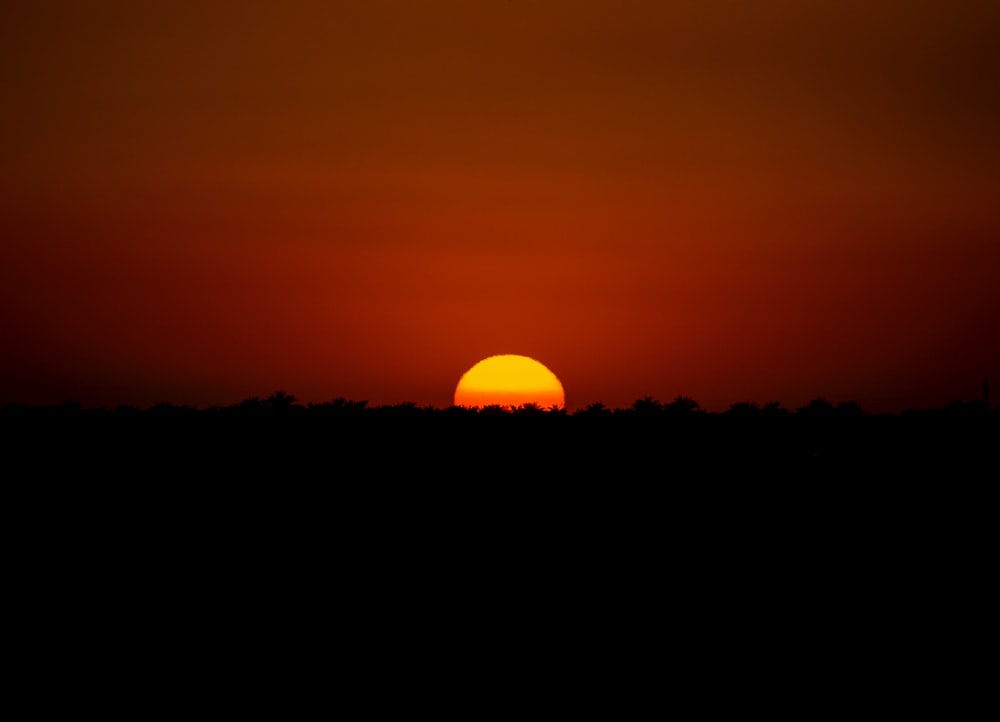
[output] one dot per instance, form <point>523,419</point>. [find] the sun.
<point>509,380</point>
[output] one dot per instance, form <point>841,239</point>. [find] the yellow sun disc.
<point>509,380</point>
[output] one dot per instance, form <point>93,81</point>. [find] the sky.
<point>201,202</point>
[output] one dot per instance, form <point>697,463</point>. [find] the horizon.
<point>281,397</point>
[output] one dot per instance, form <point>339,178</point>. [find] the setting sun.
<point>509,380</point>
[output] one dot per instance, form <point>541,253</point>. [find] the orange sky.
<point>202,202</point>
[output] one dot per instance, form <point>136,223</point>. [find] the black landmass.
<point>275,468</point>
<point>823,549</point>
<point>349,442</point>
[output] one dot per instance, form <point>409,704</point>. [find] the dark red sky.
<point>201,202</point>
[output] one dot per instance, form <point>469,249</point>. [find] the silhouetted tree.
<point>494,410</point>
<point>744,410</point>
<point>459,412</point>
<point>528,409</point>
<point>965,409</point>
<point>404,410</point>
<point>849,411</point>
<point>681,407</point>
<point>818,409</point>
<point>251,404</point>
<point>774,410</point>
<point>280,400</point>
<point>354,407</point>
<point>338,407</point>
<point>596,409</point>
<point>647,406</point>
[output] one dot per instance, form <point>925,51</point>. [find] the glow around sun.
<point>509,380</point>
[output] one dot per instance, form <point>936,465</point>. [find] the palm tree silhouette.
<point>595,409</point>
<point>744,410</point>
<point>683,405</point>
<point>280,400</point>
<point>774,410</point>
<point>647,406</point>
<point>528,409</point>
<point>818,408</point>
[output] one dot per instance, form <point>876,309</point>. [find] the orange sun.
<point>509,380</point>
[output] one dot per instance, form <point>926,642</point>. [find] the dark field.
<point>649,443</point>
<point>847,553</point>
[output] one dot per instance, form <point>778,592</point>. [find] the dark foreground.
<point>345,442</point>
<point>777,561</point>
<point>652,469</point>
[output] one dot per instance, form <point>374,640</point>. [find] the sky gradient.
<point>767,201</point>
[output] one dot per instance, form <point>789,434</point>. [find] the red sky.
<point>767,201</point>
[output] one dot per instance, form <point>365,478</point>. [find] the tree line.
<point>283,404</point>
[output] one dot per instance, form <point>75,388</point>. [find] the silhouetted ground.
<point>819,544</point>
<point>343,441</point>
<point>626,468</point>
